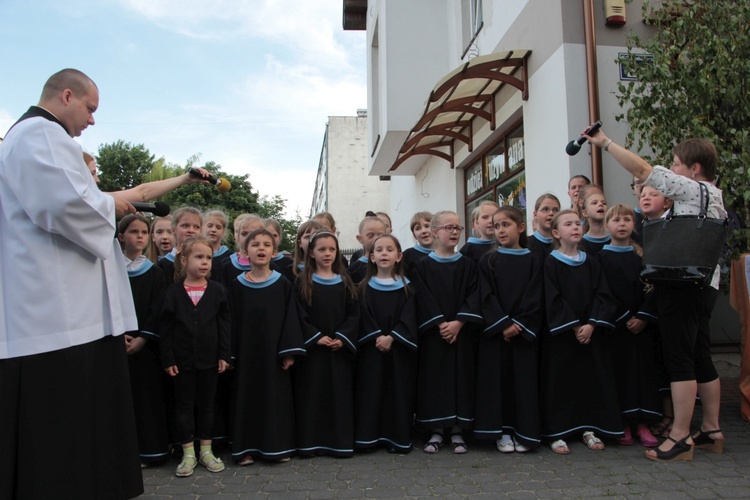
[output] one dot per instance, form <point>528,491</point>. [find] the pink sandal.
<point>646,438</point>
<point>627,438</point>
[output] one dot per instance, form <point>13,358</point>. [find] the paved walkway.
<point>617,472</point>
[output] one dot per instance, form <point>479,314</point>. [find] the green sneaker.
<point>185,469</point>
<point>211,462</point>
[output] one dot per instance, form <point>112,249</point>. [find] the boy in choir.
<point>369,229</point>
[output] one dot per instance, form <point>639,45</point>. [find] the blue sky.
<point>248,84</point>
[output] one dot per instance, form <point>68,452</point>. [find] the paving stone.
<point>617,472</point>
<point>322,494</point>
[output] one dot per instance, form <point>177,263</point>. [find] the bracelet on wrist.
<point>606,145</point>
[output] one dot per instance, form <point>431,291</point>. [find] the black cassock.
<point>386,381</point>
<point>265,329</point>
<point>147,379</point>
<point>446,291</point>
<point>507,401</point>
<point>578,389</point>
<point>283,265</point>
<point>540,246</point>
<point>166,264</point>
<point>411,256</point>
<point>357,270</point>
<point>324,379</point>
<point>592,245</point>
<point>633,354</point>
<point>225,271</point>
<point>476,248</point>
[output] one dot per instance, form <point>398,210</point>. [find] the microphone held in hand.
<point>222,185</point>
<point>574,146</point>
<point>159,208</point>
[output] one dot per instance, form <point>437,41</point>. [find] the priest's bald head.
<point>73,98</point>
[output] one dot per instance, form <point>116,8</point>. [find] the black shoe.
<point>703,440</point>
<point>680,451</point>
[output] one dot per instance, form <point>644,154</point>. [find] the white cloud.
<point>300,96</point>
<point>273,128</point>
<point>312,29</point>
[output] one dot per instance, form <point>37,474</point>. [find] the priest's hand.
<point>223,366</point>
<point>287,363</point>
<point>122,206</point>
<point>172,371</point>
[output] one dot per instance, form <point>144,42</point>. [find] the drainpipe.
<point>593,85</point>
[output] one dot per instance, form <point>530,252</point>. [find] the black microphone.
<point>222,185</point>
<point>574,146</point>
<point>159,208</point>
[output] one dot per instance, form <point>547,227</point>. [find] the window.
<point>500,175</point>
<point>473,20</point>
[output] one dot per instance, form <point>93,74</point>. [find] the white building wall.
<point>433,188</point>
<point>351,191</point>
<point>556,111</point>
<point>546,124</point>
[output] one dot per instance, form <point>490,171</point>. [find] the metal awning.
<point>460,96</point>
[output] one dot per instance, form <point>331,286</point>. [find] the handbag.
<point>682,251</point>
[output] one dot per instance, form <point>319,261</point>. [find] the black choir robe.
<point>475,248</point>
<point>357,270</point>
<point>166,264</point>
<point>147,379</point>
<point>577,382</point>
<point>411,256</point>
<point>593,245</point>
<point>386,382</point>
<point>283,264</point>
<point>265,329</point>
<point>633,355</point>
<point>507,402</point>
<point>228,270</point>
<point>324,379</point>
<point>219,256</point>
<point>541,246</point>
<point>446,291</point>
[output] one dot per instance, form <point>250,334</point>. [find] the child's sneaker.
<point>211,462</point>
<point>185,469</point>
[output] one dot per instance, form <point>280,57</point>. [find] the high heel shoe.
<point>680,451</point>
<point>703,441</point>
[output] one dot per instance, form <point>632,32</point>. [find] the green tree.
<point>273,208</point>
<point>123,165</point>
<point>695,86</point>
<point>240,199</point>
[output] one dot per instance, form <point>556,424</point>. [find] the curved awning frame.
<point>458,98</point>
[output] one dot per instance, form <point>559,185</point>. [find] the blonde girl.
<point>576,366</point>
<point>186,223</point>
<point>633,354</point>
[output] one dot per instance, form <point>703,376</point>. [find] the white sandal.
<point>590,440</point>
<point>505,445</point>
<point>560,447</point>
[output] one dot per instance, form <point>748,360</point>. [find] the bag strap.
<point>703,208</point>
